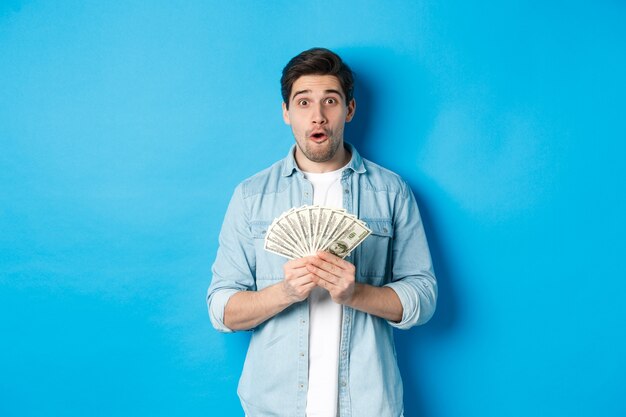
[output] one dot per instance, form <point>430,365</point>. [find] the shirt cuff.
<point>217,304</point>
<point>410,304</point>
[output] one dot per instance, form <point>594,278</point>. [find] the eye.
<point>303,102</point>
<point>331,100</point>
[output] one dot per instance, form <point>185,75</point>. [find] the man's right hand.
<point>298,282</point>
<point>247,309</point>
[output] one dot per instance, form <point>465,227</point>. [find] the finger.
<point>303,280</point>
<point>298,262</point>
<point>309,286</point>
<point>316,280</point>
<point>296,273</point>
<point>323,275</point>
<point>335,260</point>
<point>301,292</point>
<point>327,266</point>
<point>322,283</point>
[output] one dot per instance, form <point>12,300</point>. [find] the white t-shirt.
<point>324,317</point>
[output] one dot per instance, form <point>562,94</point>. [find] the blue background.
<point>125,126</point>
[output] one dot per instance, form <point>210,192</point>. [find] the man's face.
<point>317,114</point>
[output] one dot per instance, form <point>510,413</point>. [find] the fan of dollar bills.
<point>304,231</point>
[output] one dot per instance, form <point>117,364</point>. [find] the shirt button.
<point>346,191</point>
<point>301,386</point>
<point>343,382</point>
<point>302,354</point>
<point>385,230</point>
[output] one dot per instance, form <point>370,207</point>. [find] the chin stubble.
<point>323,156</point>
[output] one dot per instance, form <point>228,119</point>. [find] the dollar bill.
<point>278,249</point>
<point>305,230</point>
<point>346,241</point>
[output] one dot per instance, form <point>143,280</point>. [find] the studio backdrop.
<point>126,125</point>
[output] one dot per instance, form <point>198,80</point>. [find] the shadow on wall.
<point>413,346</point>
<point>394,104</point>
<point>377,71</point>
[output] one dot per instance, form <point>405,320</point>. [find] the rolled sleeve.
<point>235,263</point>
<point>413,278</point>
<point>216,306</point>
<point>418,302</point>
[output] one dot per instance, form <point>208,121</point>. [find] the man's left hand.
<point>334,274</point>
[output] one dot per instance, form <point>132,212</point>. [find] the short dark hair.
<point>317,61</point>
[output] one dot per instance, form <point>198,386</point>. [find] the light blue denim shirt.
<point>275,373</point>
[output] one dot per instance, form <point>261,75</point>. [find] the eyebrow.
<point>331,91</point>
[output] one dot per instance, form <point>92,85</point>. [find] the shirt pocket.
<point>375,251</point>
<point>269,266</point>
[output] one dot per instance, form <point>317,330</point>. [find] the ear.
<point>351,110</point>
<point>286,114</point>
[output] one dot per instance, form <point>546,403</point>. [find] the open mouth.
<point>318,136</point>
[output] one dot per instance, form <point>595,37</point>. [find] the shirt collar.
<point>355,164</point>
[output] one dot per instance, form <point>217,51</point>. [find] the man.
<point>322,341</point>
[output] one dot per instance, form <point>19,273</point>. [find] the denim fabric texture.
<point>396,254</point>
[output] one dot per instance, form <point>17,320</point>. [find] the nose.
<point>319,117</point>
